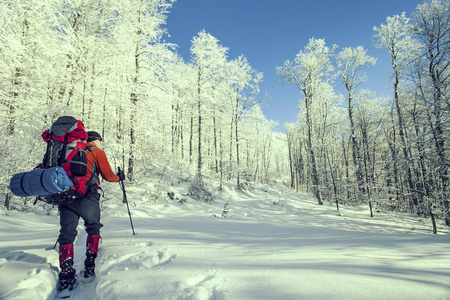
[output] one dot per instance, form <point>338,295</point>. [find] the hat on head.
<point>93,135</point>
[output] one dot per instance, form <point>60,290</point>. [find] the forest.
<point>107,63</point>
<point>353,147</point>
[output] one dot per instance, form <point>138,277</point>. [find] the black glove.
<point>121,175</point>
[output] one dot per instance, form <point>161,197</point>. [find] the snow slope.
<point>273,243</point>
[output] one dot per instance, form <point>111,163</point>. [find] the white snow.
<point>274,243</point>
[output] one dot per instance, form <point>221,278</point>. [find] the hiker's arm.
<point>105,168</point>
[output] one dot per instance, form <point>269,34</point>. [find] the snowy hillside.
<point>271,243</point>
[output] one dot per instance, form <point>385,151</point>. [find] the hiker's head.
<point>95,138</point>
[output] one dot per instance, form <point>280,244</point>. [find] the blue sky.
<point>268,32</point>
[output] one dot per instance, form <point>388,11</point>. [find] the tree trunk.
<point>333,181</point>
<point>83,97</point>
<point>433,220</point>
<point>16,83</point>
<point>230,167</point>
<point>173,129</point>
<point>181,131</point>
<point>291,161</point>
<point>91,92</point>
<point>216,158</point>
<point>104,105</point>
<point>237,144</point>
<point>199,107</point>
<point>393,149</point>
<point>132,136</point>
<point>134,97</point>
<point>191,140</point>
<point>401,132</point>
<point>8,200</point>
<point>314,174</point>
<point>355,148</point>
<point>221,160</point>
<point>347,171</point>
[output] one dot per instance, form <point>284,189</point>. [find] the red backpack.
<point>66,147</point>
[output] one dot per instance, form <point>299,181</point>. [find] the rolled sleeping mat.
<point>40,182</point>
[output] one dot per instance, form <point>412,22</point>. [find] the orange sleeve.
<point>104,167</point>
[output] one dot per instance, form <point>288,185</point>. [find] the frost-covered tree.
<point>209,59</point>
<point>309,71</point>
<point>396,36</point>
<point>431,25</point>
<point>351,62</point>
<point>141,28</point>
<point>244,82</point>
<point>26,49</point>
<point>257,142</point>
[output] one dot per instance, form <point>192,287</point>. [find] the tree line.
<point>107,63</point>
<point>353,147</point>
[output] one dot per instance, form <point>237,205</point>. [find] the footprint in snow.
<point>159,258</point>
<point>140,259</point>
<point>201,287</point>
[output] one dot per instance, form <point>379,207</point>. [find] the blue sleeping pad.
<point>40,182</point>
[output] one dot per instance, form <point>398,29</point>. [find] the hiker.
<point>87,207</point>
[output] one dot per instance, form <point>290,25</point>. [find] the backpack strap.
<point>62,157</point>
<point>94,174</point>
<point>48,157</point>
<point>93,170</point>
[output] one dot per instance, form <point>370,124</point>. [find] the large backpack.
<point>66,147</point>
<point>61,177</point>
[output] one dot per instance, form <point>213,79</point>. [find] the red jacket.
<point>98,156</point>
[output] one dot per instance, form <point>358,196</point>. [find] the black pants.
<point>87,207</point>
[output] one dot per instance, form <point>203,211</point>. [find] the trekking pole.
<point>125,200</point>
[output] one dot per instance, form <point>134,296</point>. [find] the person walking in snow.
<point>87,207</point>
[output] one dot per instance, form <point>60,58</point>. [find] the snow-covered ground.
<point>273,243</point>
